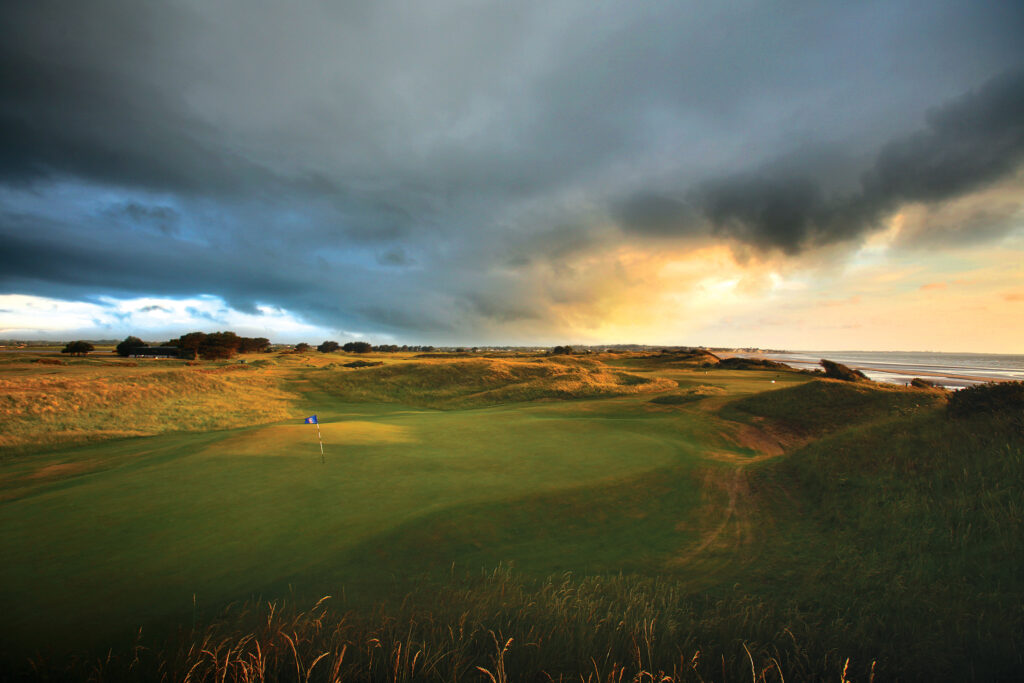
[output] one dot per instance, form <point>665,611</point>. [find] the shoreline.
<point>889,372</point>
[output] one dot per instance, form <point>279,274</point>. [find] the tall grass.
<point>495,627</point>
<point>81,404</point>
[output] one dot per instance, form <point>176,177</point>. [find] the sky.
<point>789,175</point>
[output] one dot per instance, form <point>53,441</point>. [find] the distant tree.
<point>253,345</point>
<point>328,347</point>
<point>386,348</point>
<point>128,346</point>
<point>189,343</point>
<point>78,348</point>
<point>302,347</point>
<point>562,351</point>
<point>220,345</point>
<point>357,347</point>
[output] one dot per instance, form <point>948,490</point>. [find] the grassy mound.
<point>824,406</point>
<point>690,395</point>
<point>363,364</point>
<point>80,404</point>
<point>906,532</point>
<point>483,381</point>
<point>681,359</point>
<point>738,363</point>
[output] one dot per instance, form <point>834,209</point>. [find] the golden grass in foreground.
<point>495,628</point>
<point>91,404</point>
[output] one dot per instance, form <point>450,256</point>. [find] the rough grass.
<point>909,533</point>
<point>493,627</point>
<point>688,395</point>
<point>77,405</point>
<point>824,406</point>
<point>482,382</point>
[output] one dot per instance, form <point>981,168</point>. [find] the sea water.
<point>951,370</point>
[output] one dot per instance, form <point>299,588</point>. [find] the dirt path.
<point>725,530</point>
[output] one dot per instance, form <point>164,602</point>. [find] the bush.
<point>363,364</point>
<point>991,397</point>
<point>739,363</point>
<point>128,346</point>
<point>835,370</point>
<point>78,348</point>
<point>357,347</point>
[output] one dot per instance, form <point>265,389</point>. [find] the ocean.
<point>951,370</point>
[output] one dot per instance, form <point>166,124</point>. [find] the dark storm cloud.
<point>967,145</point>
<point>164,218</point>
<point>420,168</point>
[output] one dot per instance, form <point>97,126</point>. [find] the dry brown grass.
<point>90,404</point>
<point>464,383</point>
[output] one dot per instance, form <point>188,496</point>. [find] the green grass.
<point>885,532</point>
<point>224,514</point>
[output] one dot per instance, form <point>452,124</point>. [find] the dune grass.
<point>92,400</point>
<point>476,382</point>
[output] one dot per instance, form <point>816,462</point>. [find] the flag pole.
<point>321,442</point>
<point>312,420</point>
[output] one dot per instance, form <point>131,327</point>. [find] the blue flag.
<point>311,420</point>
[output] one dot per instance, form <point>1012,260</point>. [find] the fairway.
<point>123,533</point>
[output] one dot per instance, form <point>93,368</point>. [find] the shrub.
<point>78,348</point>
<point>357,347</point>
<point>835,370</point>
<point>990,397</point>
<point>128,346</point>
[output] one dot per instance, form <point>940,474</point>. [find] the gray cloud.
<point>432,170</point>
<point>968,144</point>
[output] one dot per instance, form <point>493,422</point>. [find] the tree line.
<point>361,347</point>
<point>221,345</point>
<point>205,345</point>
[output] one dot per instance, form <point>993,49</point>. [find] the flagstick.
<point>321,442</point>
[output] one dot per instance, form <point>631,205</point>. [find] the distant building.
<point>156,352</point>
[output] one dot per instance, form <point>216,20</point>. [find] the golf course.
<point>612,516</point>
